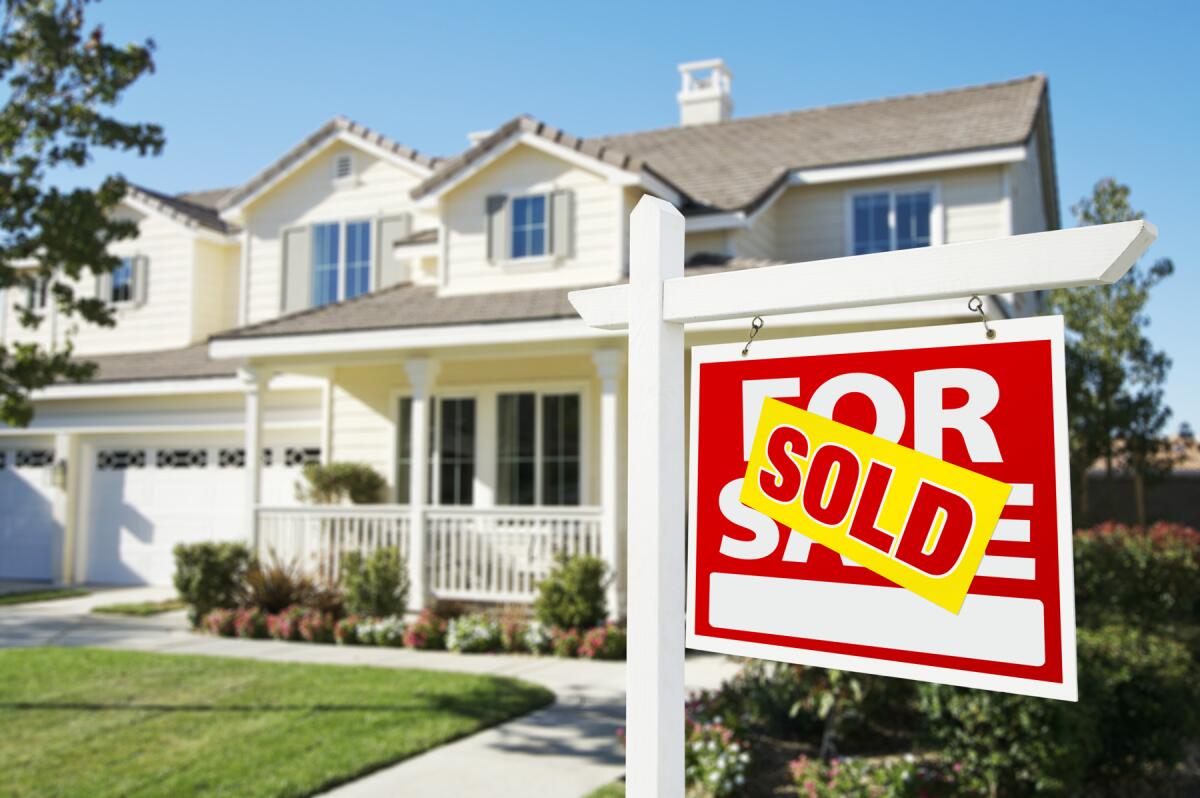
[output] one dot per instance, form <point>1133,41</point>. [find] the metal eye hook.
<point>975,305</point>
<point>755,325</point>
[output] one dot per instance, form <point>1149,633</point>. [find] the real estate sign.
<point>891,502</point>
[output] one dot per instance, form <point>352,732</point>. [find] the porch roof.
<point>407,305</point>
<point>190,362</point>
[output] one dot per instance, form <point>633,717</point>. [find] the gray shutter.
<point>297,269</point>
<point>103,288</point>
<point>496,207</point>
<point>141,279</point>
<point>391,270</point>
<point>560,224</point>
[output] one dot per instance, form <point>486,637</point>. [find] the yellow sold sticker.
<point>916,520</point>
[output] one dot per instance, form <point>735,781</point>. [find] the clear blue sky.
<point>238,83</point>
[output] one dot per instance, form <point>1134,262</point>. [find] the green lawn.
<point>46,594</point>
<point>141,609</point>
<point>614,790</point>
<point>117,723</point>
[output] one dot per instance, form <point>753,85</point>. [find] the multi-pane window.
<point>121,288</point>
<point>538,449</point>
<point>456,451</point>
<point>516,448</point>
<point>887,220</point>
<point>529,226</point>
<point>451,463</point>
<point>35,295</point>
<point>358,258</point>
<point>325,255</point>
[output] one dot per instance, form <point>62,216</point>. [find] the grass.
<point>141,609</point>
<point>120,723</point>
<point>614,790</point>
<point>45,594</point>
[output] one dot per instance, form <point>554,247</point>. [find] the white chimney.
<point>707,92</point>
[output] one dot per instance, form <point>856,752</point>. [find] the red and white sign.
<point>996,407</point>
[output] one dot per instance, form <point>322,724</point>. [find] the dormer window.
<point>529,227</point>
<point>343,169</point>
<point>122,283</point>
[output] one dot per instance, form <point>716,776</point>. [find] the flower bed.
<point>475,633</point>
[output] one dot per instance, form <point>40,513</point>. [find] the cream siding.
<point>974,204</point>
<point>595,255</point>
<point>309,196</point>
<point>711,242</point>
<point>214,288</point>
<point>759,239</point>
<point>164,321</point>
<point>1029,211</point>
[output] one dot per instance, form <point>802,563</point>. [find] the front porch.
<point>496,463</point>
<point>463,553</point>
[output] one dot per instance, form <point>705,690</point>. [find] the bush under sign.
<point>890,502</point>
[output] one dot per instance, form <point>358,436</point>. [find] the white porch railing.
<point>316,537</point>
<point>471,553</point>
<point>500,554</point>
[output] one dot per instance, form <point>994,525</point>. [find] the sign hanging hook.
<point>755,325</point>
<point>975,305</point>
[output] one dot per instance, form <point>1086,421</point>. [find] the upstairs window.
<point>121,283</point>
<point>529,226</point>
<point>887,220</point>
<point>325,256</point>
<point>358,258</point>
<point>35,294</point>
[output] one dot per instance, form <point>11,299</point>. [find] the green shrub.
<point>1145,577</point>
<point>208,576</point>
<point>330,483</point>
<point>427,632</point>
<point>377,585</point>
<point>1008,745</point>
<point>572,594</point>
<point>882,777</point>
<point>274,587</point>
<point>1141,693</point>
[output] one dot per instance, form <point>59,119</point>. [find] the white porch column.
<point>253,385</point>
<point>421,373</point>
<point>608,369</point>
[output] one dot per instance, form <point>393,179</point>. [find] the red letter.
<point>781,445</point>
<point>960,517</point>
<point>843,488</point>
<point>879,476</point>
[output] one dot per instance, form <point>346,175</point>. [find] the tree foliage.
<point>62,79</point>
<point>1115,376</point>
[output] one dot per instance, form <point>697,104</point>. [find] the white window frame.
<point>531,260</point>
<point>343,224</point>
<point>538,450</point>
<point>487,432</point>
<point>937,235</point>
<point>435,449</point>
<point>124,303</point>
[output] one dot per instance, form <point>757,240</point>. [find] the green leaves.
<point>61,79</point>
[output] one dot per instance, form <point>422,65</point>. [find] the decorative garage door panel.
<point>29,536</point>
<point>146,496</point>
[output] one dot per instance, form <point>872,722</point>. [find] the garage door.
<point>146,497</point>
<point>28,533</point>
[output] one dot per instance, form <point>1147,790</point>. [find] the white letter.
<point>766,532</point>
<point>889,407</point>
<point>932,417</point>
<point>753,394</point>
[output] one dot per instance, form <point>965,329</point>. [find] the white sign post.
<point>654,307</point>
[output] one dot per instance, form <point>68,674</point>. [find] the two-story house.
<point>360,301</point>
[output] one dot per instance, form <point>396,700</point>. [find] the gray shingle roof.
<point>408,305</point>
<point>339,124</point>
<point>193,209</point>
<point>731,165</point>
<point>188,363</point>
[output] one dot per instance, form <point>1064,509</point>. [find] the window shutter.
<point>392,270</point>
<point>103,288</point>
<point>560,224</point>
<point>141,279</point>
<point>497,228</point>
<point>297,269</point>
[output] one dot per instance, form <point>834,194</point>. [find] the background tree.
<point>1114,373</point>
<point>61,79</point>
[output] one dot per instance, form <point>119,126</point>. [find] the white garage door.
<point>144,497</point>
<point>29,536</point>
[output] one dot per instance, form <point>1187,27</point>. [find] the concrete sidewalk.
<point>567,749</point>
